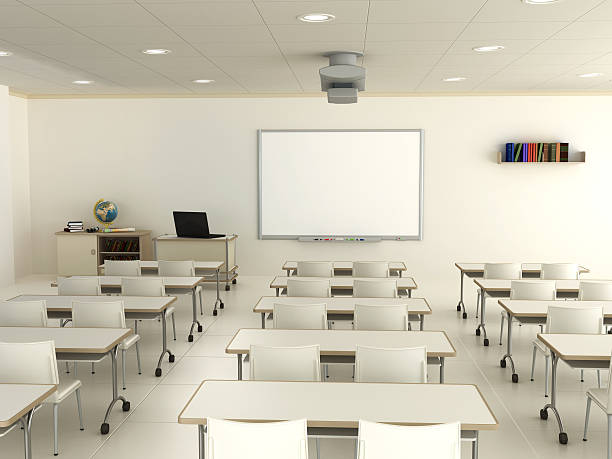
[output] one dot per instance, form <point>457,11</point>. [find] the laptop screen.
<point>191,224</point>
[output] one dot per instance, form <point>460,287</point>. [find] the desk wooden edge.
<point>165,306</point>
<point>407,287</point>
<point>571,357</point>
<point>128,332</point>
<point>15,418</point>
<point>259,310</point>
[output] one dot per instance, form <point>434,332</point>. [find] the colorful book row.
<point>119,245</point>
<point>537,152</point>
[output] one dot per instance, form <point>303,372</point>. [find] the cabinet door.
<point>77,254</point>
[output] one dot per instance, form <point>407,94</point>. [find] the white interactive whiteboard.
<point>341,183</point>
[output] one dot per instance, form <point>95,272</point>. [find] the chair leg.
<point>318,442</point>
<point>173,327</point>
<point>79,408</point>
<point>55,422</point>
<point>74,369</point>
<point>93,369</point>
<point>546,375</point>
<point>201,303</point>
<point>356,447</point>
<point>609,437</point>
<point>586,418</point>
<point>501,329</point>
<point>123,367</point>
<point>599,379</point>
<point>581,375</point>
<point>67,367</point>
<point>477,303</point>
<point>138,358</point>
<point>533,360</point>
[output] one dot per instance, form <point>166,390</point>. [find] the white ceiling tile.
<point>516,10</point>
<point>402,11</point>
<point>121,14</point>
<point>407,47</point>
<point>40,35</point>
<point>582,30</point>
<point>73,51</point>
<point>554,59</point>
<point>177,50</point>
<point>275,12</point>
<point>605,59</point>
<point>510,46</point>
<point>568,83</point>
<point>422,31</point>
<point>602,12</point>
<point>318,48</point>
<point>144,36</point>
<point>403,60</point>
<point>23,16</point>
<point>318,33</point>
<point>388,79</point>
<point>492,60</point>
<point>209,13</point>
<point>589,46</point>
<point>511,30</point>
<point>224,34</point>
<point>238,49</point>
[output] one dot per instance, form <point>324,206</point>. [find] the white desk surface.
<point>345,282</point>
<point>169,282</point>
<point>63,303</point>
<point>341,342</point>
<point>503,285</point>
<point>527,267</point>
<point>17,399</point>
<point>347,265</point>
<point>578,347</point>
<point>342,304</point>
<point>340,405</point>
<point>68,340</point>
<point>537,308</point>
<point>174,237</point>
<point>203,265</point>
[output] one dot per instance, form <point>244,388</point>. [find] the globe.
<point>105,212</point>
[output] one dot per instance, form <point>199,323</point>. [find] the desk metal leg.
<point>481,325</point>
<point>239,367</point>
<point>158,370</point>
<point>195,316</point>
<point>461,304</point>
<point>26,422</point>
<point>104,428</point>
<point>475,446</point>
<point>201,440</point>
<point>421,321</point>
<point>553,399</point>
<point>508,355</point>
<point>221,305</point>
<point>441,370</point>
<point>277,292</point>
<point>409,293</point>
<point>263,320</point>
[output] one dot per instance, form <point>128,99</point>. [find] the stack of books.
<point>74,227</point>
<point>537,152</point>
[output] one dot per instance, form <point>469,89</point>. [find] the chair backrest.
<point>401,365</point>
<point>256,440</point>
<point>23,314</point>
<point>375,288</point>
<point>533,290</point>
<point>595,290</point>
<point>571,319</point>
<point>79,286</point>
<point>315,268</point>
<point>143,286</point>
<point>557,271</point>
<point>439,441</point>
<point>309,287</point>
<point>370,269</point>
<point>502,271</point>
<point>300,316</point>
<point>176,268</point>
<point>381,317</point>
<point>121,267</point>
<point>107,314</point>
<point>300,363</point>
<point>28,363</point>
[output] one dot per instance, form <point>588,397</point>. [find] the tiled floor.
<point>150,430</point>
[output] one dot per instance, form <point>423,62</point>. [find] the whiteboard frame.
<point>418,237</point>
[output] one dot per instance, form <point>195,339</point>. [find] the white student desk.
<point>346,267</point>
<point>578,351</point>
<point>77,344</point>
<point>345,283</point>
<point>474,270</point>
<point>339,346</point>
<point>501,288</point>
<point>536,312</point>
<point>135,307</point>
<point>334,408</point>
<point>17,404</point>
<point>343,307</point>
<point>112,284</point>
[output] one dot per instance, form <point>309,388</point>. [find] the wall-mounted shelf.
<point>575,158</point>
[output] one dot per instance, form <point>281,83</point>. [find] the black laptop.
<point>193,224</point>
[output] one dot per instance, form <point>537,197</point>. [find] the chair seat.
<point>541,347</point>
<point>65,389</point>
<point>5,430</point>
<point>129,341</point>
<point>600,397</point>
<point>170,310</point>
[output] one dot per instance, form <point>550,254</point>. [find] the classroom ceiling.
<point>260,47</point>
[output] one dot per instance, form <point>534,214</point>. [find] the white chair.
<point>180,269</point>
<point>559,271</point>
<point>255,440</point>
<point>529,290</point>
<point>595,290</point>
<point>23,314</point>
<point>105,315</point>
<point>36,363</point>
<point>379,317</point>
<point>122,268</point>
<point>603,399</point>
<point>320,288</point>
<point>499,271</point>
<point>147,286</point>
<point>300,363</point>
<point>300,316</point>
<point>401,365</point>
<point>315,269</point>
<point>375,288</point>
<point>564,319</point>
<point>439,441</point>
<point>73,286</point>
<point>370,269</point>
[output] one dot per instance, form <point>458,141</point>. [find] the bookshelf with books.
<point>539,152</point>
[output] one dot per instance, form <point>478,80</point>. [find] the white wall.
<point>155,155</point>
<point>7,269</point>
<point>20,170</point>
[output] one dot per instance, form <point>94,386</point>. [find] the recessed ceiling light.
<point>488,49</point>
<point>590,75</point>
<point>156,51</point>
<point>453,79</point>
<point>316,17</point>
<point>203,81</point>
<point>539,2</point>
<point>82,82</point>
<point>5,53</point>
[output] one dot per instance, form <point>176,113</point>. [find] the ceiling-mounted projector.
<point>343,78</point>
